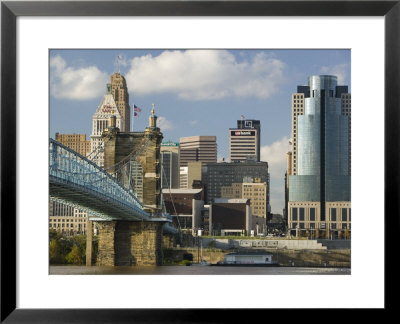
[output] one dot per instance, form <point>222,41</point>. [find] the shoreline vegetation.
<point>65,250</point>
<point>71,250</point>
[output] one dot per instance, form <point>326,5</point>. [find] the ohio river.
<point>194,270</point>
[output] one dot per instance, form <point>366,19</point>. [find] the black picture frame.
<point>10,10</point>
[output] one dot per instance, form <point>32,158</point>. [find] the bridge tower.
<point>128,242</point>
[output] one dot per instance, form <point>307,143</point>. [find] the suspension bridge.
<point>130,229</point>
<point>79,182</point>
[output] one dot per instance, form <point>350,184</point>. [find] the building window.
<point>344,215</point>
<point>294,214</point>
<point>333,214</point>
<point>312,214</point>
<point>302,214</point>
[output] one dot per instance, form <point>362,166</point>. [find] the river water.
<point>195,270</point>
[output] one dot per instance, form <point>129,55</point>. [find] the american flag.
<point>242,117</point>
<point>135,114</point>
<point>136,108</point>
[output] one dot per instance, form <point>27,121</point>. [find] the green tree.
<point>54,235</point>
<point>55,253</point>
<point>75,256</point>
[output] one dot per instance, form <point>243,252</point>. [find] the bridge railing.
<point>70,166</point>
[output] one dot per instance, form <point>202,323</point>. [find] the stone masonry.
<point>120,145</point>
<point>106,252</point>
<point>129,243</point>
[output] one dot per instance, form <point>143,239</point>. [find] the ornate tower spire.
<point>152,118</point>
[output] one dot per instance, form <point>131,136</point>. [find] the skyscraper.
<point>121,97</point>
<point>170,165</point>
<point>100,121</point>
<point>297,110</point>
<point>244,141</point>
<point>197,148</point>
<point>319,187</point>
<point>225,174</point>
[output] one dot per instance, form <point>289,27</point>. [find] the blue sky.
<point>195,92</point>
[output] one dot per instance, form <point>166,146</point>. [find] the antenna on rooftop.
<point>118,59</point>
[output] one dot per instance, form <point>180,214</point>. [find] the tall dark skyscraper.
<point>244,141</point>
<point>319,187</point>
<point>120,94</point>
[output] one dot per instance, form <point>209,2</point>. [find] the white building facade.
<point>100,121</point>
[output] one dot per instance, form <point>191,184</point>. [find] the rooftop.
<point>248,253</point>
<point>181,191</point>
<point>231,200</point>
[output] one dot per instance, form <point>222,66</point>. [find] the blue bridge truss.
<point>79,182</point>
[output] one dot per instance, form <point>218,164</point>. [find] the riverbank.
<point>284,257</point>
<point>183,270</point>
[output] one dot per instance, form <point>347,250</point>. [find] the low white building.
<point>248,258</point>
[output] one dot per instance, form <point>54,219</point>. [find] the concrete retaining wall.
<point>265,244</point>
<point>336,244</point>
<point>285,257</point>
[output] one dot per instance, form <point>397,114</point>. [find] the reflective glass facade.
<point>323,144</point>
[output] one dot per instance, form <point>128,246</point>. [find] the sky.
<point>195,92</point>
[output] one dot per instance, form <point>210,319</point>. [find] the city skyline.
<point>222,86</point>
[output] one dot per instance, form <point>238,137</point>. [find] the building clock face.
<point>106,109</point>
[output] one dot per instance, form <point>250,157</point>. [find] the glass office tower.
<point>323,145</point>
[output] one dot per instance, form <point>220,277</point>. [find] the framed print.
<point>37,36</point>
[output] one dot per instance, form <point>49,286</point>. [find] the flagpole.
<point>132,118</point>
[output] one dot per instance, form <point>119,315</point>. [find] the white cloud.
<point>275,155</point>
<point>75,83</point>
<point>205,74</point>
<point>339,70</point>
<point>120,61</point>
<point>164,124</point>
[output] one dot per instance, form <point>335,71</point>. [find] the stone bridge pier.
<point>127,243</point>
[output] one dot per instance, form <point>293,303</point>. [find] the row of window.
<point>66,226</point>
<point>312,226</point>
<point>299,214</point>
<point>67,220</point>
<point>343,215</point>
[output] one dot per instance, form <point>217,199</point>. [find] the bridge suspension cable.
<point>67,182</point>
<point>170,195</point>
<point>130,156</point>
<point>99,148</point>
